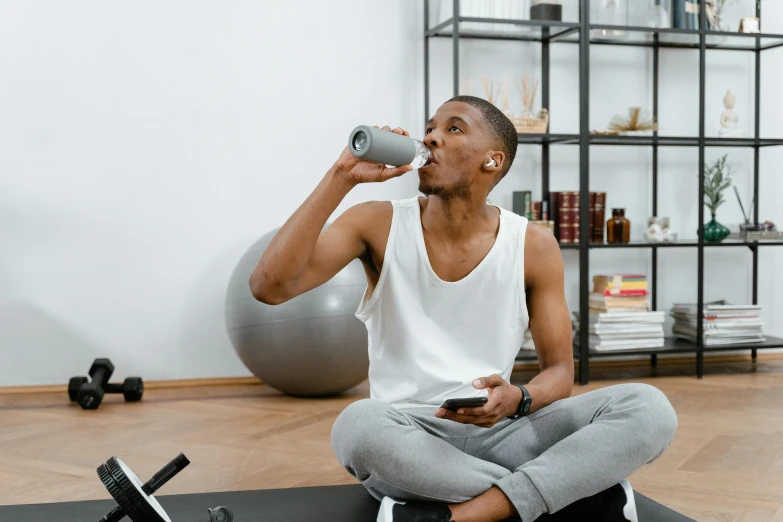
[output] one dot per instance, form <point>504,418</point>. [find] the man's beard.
<point>431,190</point>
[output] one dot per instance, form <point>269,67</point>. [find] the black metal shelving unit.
<point>584,34</point>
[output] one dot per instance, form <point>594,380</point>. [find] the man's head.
<point>467,135</point>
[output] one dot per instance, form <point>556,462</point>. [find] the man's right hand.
<point>356,170</point>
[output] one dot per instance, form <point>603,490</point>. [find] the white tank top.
<point>428,338</point>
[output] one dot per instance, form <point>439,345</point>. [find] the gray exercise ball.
<point>310,346</point>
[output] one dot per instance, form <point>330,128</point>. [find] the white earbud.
<point>491,163</point>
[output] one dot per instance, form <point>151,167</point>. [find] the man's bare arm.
<point>300,257</point>
<point>550,323</point>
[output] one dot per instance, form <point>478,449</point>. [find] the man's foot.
<point>616,504</point>
<point>413,511</point>
<point>626,503</point>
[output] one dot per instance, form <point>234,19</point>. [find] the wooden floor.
<point>725,464</point>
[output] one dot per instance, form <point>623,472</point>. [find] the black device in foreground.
<point>135,499</point>
<point>466,402</point>
<point>90,394</point>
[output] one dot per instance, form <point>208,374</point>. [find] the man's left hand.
<point>503,400</point>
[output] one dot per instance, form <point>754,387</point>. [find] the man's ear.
<point>493,162</point>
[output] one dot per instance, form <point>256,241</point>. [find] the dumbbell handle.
<point>152,485</point>
<point>100,377</point>
<point>110,387</point>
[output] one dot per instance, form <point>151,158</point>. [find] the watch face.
<point>527,407</point>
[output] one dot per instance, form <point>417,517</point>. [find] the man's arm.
<point>550,323</point>
<point>301,257</point>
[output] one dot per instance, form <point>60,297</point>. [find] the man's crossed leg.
<point>572,449</point>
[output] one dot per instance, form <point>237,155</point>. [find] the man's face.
<point>458,139</point>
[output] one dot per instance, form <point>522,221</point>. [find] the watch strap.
<point>524,403</point>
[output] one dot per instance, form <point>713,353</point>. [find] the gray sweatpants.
<point>571,449</point>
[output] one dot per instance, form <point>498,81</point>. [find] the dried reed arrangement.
<point>526,124</point>
<point>635,121</point>
<point>506,110</point>
<point>489,87</point>
<point>528,93</point>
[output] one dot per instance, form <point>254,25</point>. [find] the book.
<point>520,203</point>
<point>623,330</point>
<point>618,284</point>
<point>723,323</point>
<point>628,317</point>
<point>564,211</point>
<point>597,216</point>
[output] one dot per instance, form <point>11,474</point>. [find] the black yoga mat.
<point>349,503</point>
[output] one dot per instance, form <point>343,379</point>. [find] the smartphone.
<point>466,402</point>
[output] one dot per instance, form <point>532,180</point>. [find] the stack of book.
<point>620,316</point>
<point>723,323</point>
<point>564,211</point>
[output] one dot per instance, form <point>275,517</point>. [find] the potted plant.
<point>717,178</point>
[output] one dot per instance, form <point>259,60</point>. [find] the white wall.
<point>145,145</point>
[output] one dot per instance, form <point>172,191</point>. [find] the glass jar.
<point>658,15</point>
<point>618,228</point>
<point>610,12</point>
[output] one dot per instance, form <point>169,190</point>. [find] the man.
<point>453,283</point>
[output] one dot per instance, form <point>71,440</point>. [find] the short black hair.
<point>499,124</point>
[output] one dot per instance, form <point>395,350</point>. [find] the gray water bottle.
<point>374,144</point>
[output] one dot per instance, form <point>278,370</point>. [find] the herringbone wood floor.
<point>725,464</point>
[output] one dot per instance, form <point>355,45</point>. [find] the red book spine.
<point>568,214</point>
<point>554,214</point>
<point>626,293</point>
<point>599,216</point>
<point>569,200</point>
<point>570,233</point>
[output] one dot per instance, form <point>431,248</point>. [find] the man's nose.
<point>434,139</point>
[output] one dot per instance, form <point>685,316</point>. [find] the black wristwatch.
<point>524,404</point>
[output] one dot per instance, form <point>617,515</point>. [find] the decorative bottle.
<point>618,228</point>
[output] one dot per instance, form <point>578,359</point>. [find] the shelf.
<point>507,29</point>
<point>646,141</point>
<point>670,345</point>
<point>568,32</point>
<point>741,142</point>
<point>547,138</point>
<point>769,344</point>
<point>680,38</point>
<point>737,242</point>
<point>677,244</point>
<point>647,244</point>
<point>679,141</point>
<point>585,35</point>
<point>674,345</point>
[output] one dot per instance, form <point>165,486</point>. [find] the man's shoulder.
<point>369,212</point>
<point>371,218</point>
<point>540,243</point>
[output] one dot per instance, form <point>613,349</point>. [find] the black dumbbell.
<point>90,394</point>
